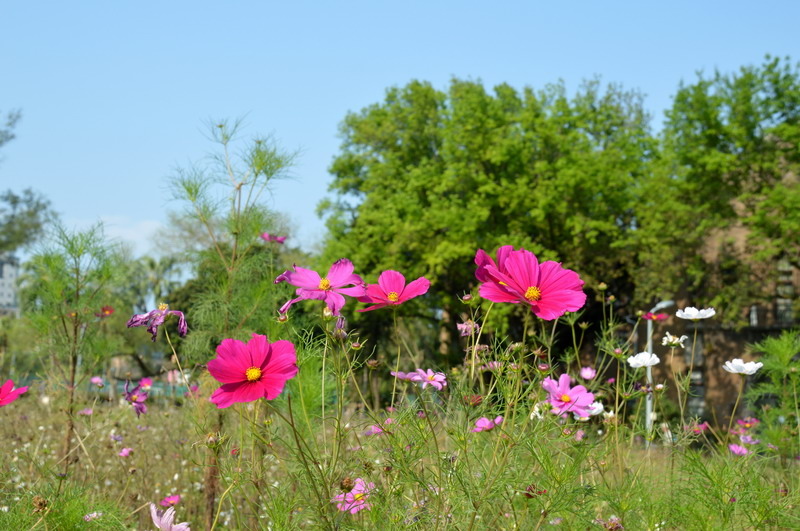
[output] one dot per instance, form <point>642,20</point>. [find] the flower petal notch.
<point>253,370</point>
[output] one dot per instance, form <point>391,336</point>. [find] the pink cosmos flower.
<point>649,316</point>
<point>485,424</point>
<point>125,452</point>
<point>697,429</point>
<point>391,290</point>
<point>483,260</point>
<point>86,412</point>
<point>252,370</point>
<point>548,288</point>
<point>435,379</point>
<point>356,499</point>
<point>267,237</point>
<point>407,376</point>
<point>748,422</point>
<point>146,384</point>
<point>8,394</point>
<point>738,450</point>
<point>98,381</point>
<point>566,399</point>
<point>588,373</point>
<point>163,520</point>
<point>328,289</point>
<point>170,501</point>
<point>136,397</point>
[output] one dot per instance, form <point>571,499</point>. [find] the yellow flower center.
<point>358,496</point>
<point>253,374</point>
<point>533,293</point>
<point>134,398</point>
<point>163,306</point>
<point>325,284</point>
<point>393,296</point>
<point>566,398</point>
<point>747,425</point>
<point>432,377</point>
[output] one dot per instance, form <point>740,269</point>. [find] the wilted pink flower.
<point>329,289</point>
<point>356,499</point>
<point>136,397</point>
<point>153,319</point>
<point>267,237</point>
<point>485,424</point>
<point>163,520</point>
<point>391,290</point>
<point>566,399</point>
<point>588,373</point>
<point>407,376</point>
<point>252,370</point>
<point>579,435</point>
<point>146,384</point>
<point>468,327</point>
<point>125,452</point>
<point>98,381</point>
<point>170,501</point>
<point>375,429</point>
<point>749,439</point>
<point>435,379</point>
<point>548,288</point>
<point>738,450</point>
<point>8,394</point>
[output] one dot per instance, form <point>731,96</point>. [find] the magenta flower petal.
<point>341,273</point>
<point>495,293</point>
<point>415,288</point>
<point>390,281</point>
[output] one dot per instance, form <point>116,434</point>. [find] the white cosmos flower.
<point>738,366</point>
<point>595,408</point>
<point>643,359</point>
<point>673,341</point>
<point>693,314</point>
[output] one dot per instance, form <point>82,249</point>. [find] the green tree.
<point>427,177</point>
<point>731,142</point>
<point>22,218</point>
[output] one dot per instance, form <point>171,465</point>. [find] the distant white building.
<point>9,272</point>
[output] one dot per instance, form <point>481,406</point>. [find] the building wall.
<point>9,273</point>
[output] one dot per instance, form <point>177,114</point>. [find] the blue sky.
<point>115,95</point>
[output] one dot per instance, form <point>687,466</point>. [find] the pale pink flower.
<point>485,424</point>
<point>163,520</point>
<point>356,499</point>
<point>329,289</point>
<point>566,399</point>
<point>738,450</point>
<point>125,452</point>
<point>146,384</point>
<point>588,373</point>
<point>436,380</point>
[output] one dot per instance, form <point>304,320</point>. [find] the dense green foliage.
<point>427,177</point>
